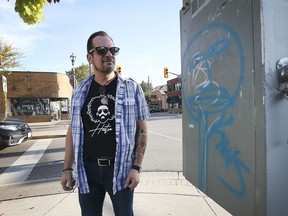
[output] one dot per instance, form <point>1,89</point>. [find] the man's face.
<point>102,63</point>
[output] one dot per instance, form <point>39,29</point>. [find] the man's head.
<point>101,52</point>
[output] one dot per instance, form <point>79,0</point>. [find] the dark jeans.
<point>100,180</point>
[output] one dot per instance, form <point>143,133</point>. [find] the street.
<point>40,161</point>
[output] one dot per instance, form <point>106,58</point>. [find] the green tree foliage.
<point>81,72</point>
<point>9,56</point>
<point>147,89</point>
<point>31,11</point>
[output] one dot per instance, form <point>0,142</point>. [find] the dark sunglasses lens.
<point>102,50</point>
<point>114,50</point>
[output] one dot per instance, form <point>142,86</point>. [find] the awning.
<point>173,99</point>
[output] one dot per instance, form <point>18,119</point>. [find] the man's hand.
<point>133,179</point>
<point>67,181</point>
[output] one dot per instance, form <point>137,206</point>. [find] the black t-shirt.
<point>98,115</point>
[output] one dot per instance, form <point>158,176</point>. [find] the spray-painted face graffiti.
<point>209,94</point>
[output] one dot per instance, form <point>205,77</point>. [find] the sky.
<point>147,32</point>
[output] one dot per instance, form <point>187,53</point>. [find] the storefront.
<point>36,96</point>
<point>174,99</point>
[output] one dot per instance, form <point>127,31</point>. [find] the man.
<point>108,133</point>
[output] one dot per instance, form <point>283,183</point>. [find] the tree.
<point>9,56</point>
<point>31,11</point>
<point>147,88</point>
<point>81,73</point>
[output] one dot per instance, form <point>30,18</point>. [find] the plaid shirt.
<point>130,106</point>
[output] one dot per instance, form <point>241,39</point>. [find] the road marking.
<point>23,166</point>
<point>165,136</point>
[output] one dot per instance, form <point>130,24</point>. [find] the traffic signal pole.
<point>178,75</point>
<point>166,73</point>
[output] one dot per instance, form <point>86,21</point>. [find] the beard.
<point>106,68</point>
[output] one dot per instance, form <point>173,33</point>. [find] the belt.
<point>100,161</point>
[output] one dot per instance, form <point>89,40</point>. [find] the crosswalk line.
<point>23,166</point>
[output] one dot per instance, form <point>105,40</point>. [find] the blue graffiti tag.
<point>208,103</point>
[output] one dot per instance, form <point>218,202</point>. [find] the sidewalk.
<point>62,126</point>
<point>158,194</point>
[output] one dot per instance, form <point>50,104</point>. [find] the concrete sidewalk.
<point>40,130</point>
<point>158,194</point>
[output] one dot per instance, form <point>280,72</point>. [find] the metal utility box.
<point>234,92</point>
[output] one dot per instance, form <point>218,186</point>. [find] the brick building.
<point>174,93</point>
<point>159,97</point>
<point>35,96</point>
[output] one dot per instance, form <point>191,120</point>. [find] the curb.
<point>47,136</point>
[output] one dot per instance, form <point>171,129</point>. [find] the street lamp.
<point>73,58</point>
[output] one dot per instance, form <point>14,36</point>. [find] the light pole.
<point>73,58</point>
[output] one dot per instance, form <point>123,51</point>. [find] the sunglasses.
<point>104,50</point>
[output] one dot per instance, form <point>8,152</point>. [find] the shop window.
<point>42,106</point>
<point>29,106</point>
<point>178,86</point>
<point>64,106</point>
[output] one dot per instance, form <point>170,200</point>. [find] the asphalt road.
<point>41,160</point>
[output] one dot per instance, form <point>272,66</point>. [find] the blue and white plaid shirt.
<point>130,106</point>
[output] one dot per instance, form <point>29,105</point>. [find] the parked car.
<point>14,132</point>
<point>154,109</point>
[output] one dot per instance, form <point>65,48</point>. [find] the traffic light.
<point>118,70</point>
<point>166,75</point>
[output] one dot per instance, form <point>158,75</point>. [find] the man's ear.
<point>89,58</point>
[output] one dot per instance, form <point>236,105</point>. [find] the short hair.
<point>95,34</point>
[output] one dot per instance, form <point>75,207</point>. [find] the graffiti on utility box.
<point>209,101</point>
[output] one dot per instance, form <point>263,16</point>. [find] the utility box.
<point>235,106</point>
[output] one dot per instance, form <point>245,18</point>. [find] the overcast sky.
<point>147,32</point>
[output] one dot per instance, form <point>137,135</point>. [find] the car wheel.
<point>4,143</point>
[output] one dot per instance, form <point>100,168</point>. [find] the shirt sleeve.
<point>142,110</point>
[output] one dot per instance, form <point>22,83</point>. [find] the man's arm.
<point>141,142</point>
<point>133,178</point>
<point>67,180</point>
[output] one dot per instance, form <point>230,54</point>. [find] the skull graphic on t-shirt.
<point>101,116</point>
